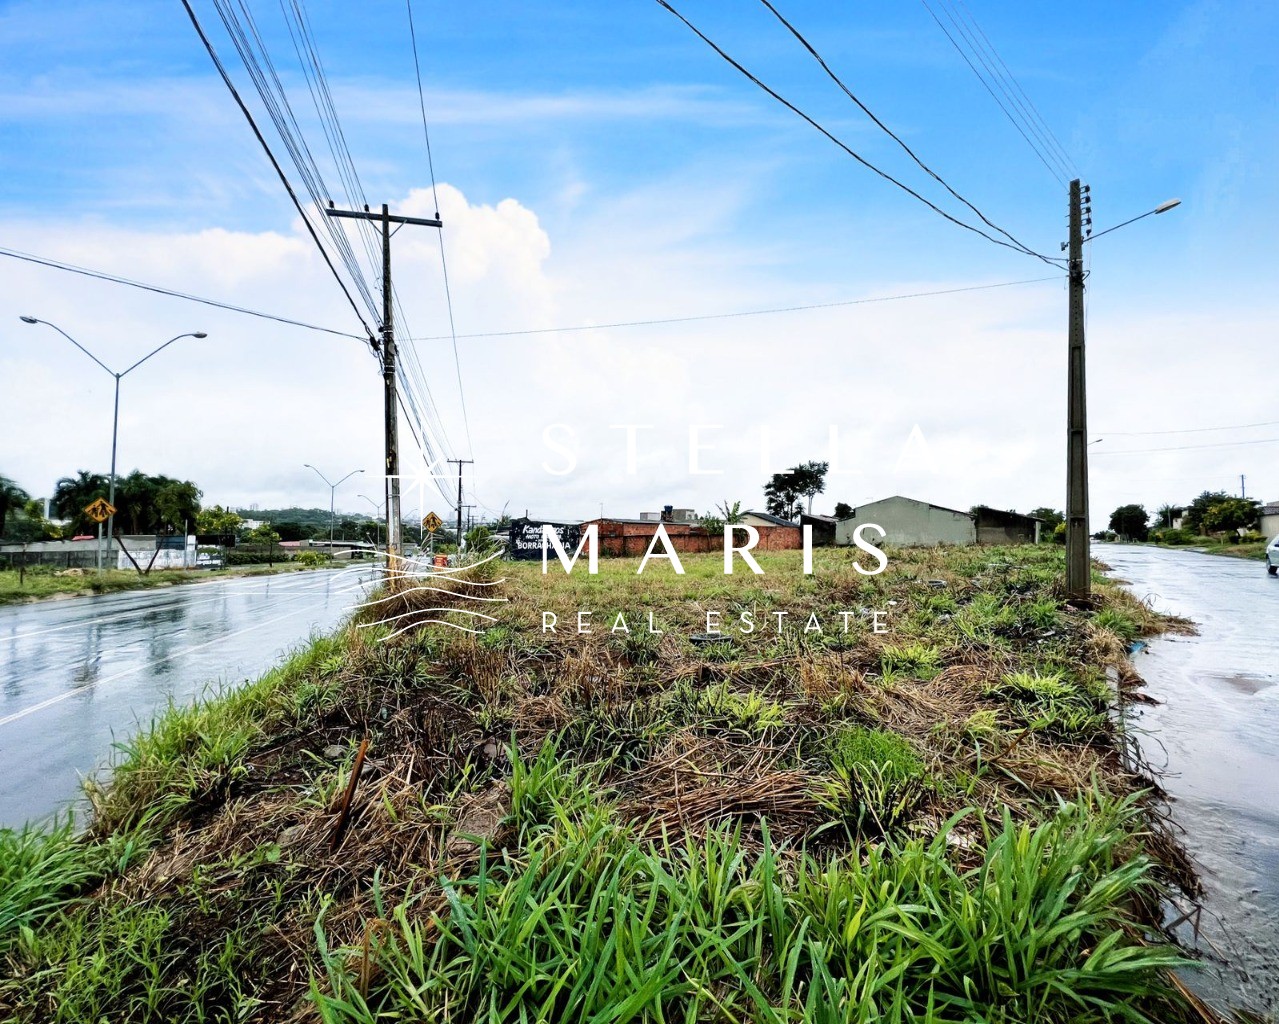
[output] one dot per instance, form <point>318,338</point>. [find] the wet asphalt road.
<point>79,674</point>
<point>1217,732</point>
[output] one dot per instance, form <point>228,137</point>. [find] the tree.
<point>1051,517</point>
<point>27,524</point>
<point>783,490</point>
<point>781,496</point>
<point>479,540</point>
<point>262,535</point>
<point>1230,514</point>
<point>11,496</point>
<point>1197,509</point>
<point>810,480</point>
<point>1130,521</point>
<point>843,510</point>
<point>289,530</point>
<point>72,493</point>
<point>1167,513</point>
<point>730,513</point>
<point>218,520</point>
<point>177,503</point>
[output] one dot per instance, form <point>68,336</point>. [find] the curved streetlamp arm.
<point>348,476</point>
<point>34,320</point>
<point>321,475</point>
<point>189,334</point>
<point>1163,207</point>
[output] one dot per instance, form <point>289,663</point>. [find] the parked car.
<point>1272,557</point>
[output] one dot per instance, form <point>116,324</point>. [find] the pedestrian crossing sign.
<point>99,511</point>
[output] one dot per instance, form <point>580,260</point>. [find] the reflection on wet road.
<point>1216,731</point>
<point>79,674</point>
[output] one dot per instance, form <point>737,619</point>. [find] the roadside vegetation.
<point>39,582</point>
<point>405,821</point>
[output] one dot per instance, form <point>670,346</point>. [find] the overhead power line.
<point>257,132</point>
<point>748,312</point>
<point>444,265</point>
<point>755,80</point>
<point>1187,430</point>
<point>883,127</point>
<point>102,275</point>
<point>1191,447</point>
<point>1034,117</point>
<point>1016,123</point>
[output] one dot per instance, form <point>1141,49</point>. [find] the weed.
<point>922,661</point>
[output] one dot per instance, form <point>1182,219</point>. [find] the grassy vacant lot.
<point>40,582</point>
<point>935,823</point>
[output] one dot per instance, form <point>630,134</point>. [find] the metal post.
<point>115,435</point>
<point>1078,556</point>
<point>460,506</point>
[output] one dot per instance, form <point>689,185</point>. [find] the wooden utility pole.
<point>459,498</point>
<point>1078,556</point>
<point>392,470</point>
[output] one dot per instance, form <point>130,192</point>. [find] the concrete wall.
<point>632,539</point>
<point>1269,526</point>
<point>909,523</point>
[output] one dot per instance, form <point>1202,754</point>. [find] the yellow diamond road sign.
<point>99,511</point>
<point>431,522</point>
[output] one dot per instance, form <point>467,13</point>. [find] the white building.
<point>908,522</point>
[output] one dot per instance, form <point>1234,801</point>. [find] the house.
<point>995,526</point>
<point>823,529</point>
<point>764,519</point>
<point>631,537</point>
<point>1268,522</point>
<point>908,522</point>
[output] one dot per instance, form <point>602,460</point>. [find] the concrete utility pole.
<point>392,471</point>
<point>459,498</point>
<point>1078,556</point>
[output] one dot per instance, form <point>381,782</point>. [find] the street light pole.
<point>377,507</point>
<point>1078,556</point>
<point>1078,564</point>
<point>115,416</point>
<point>333,487</point>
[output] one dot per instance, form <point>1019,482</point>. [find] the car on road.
<point>1272,557</point>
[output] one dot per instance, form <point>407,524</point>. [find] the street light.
<point>1078,557</point>
<point>377,507</point>
<point>332,490</point>
<point>115,419</point>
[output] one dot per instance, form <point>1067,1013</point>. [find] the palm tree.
<point>11,496</point>
<point>72,493</point>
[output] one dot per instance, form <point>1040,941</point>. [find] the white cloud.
<point>981,373</point>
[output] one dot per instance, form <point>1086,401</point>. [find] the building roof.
<point>768,516</point>
<point>915,501</point>
<point>1008,512</point>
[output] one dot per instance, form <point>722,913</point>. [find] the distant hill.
<point>312,518</point>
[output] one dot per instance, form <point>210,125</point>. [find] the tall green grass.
<point>591,924</point>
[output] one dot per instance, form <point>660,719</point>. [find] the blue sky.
<point>607,166</point>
